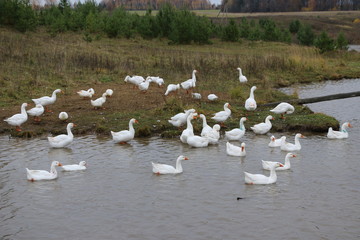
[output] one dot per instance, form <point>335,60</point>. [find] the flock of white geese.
<point>209,135</point>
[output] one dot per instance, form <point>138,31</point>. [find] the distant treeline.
<point>156,4</point>
<point>179,26</point>
<point>289,5</point>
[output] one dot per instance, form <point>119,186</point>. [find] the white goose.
<point>97,103</point>
<point>234,150</point>
<point>197,141</point>
<point>36,112</point>
<point>242,78</point>
<point>109,92</point>
<point>343,133</point>
<point>159,168</point>
<point>75,167</point>
<point>212,97</point>
<point>262,179</point>
<point>236,133</point>
<point>172,88</point>
<point>63,116</point>
<point>47,100</point>
<point>36,175</point>
<point>179,119</point>
<point>124,136</point>
<point>286,146</point>
<point>214,135</point>
<point>158,80</point>
<point>86,93</point>
<point>196,95</point>
<point>283,108</point>
<point>189,131</point>
<point>144,86</point>
<point>267,164</point>
<point>275,142</point>
<point>264,127</point>
<point>18,119</point>
<point>250,103</point>
<point>190,83</point>
<point>136,80</point>
<point>205,127</point>
<point>62,140</point>
<point>222,116</point>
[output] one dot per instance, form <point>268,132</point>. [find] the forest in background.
<point>289,5</point>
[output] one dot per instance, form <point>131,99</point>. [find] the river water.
<point>118,197</point>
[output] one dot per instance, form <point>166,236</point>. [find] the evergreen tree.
<point>305,35</point>
<point>324,43</point>
<point>294,26</point>
<point>341,42</point>
<point>231,32</point>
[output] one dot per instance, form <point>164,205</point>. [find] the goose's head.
<point>253,88</point>
<point>273,138</point>
<point>279,165</point>
<point>133,120</point>
<point>299,135</point>
<point>242,146</point>
<point>82,163</point>
<point>126,78</point>
<point>190,110</point>
<point>270,117</point>
<point>195,71</point>
<point>217,127</point>
<point>227,105</point>
<point>91,90</point>
<point>56,163</point>
<point>291,155</point>
<point>347,124</point>
<point>71,125</point>
<point>24,105</point>
<point>181,157</point>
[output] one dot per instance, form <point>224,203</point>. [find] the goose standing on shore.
<point>283,108</point>
<point>19,118</point>
<point>63,116</point>
<point>179,119</point>
<point>97,103</point>
<point>264,127</point>
<point>172,88</point>
<point>212,97</point>
<point>250,103</point>
<point>36,112</point>
<point>222,116</point>
<point>86,93</point>
<point>190,83</point>
<point>45,101</point>
<point>136,80</point>
<point>242,78</point>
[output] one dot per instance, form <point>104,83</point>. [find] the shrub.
<point>294,26</point>
<point>324,43</point>
<point>230,32</point>
<point>305,35</point>
<point>341,42</point>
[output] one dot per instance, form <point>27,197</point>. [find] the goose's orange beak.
<point>293,155</point>
<point>186,158</point>
<point>59,164</point>
<point>136,121</point>
<point>281,165</point>
<point>349,125</point>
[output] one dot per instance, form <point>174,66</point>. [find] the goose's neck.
<point>273,176</point>
<point>267,121</point>
<point>188,121</point>
<point>69,133</point>
<point>178,166</point>
<point>343,128</point>
<point>194,76</point>
<point>53,169</point>
<point>240,71</point>
<point>131,127</point>
<point>53,96</point>
<point>252,92</point>
<point>242,127</point>
<point>297,142</point>
<point>287,161</point>
<point>204,121</point>
<point>23,110</point>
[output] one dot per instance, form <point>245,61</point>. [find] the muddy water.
<point>118,197</point>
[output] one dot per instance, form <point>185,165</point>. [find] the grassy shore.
<point>34,64</point>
